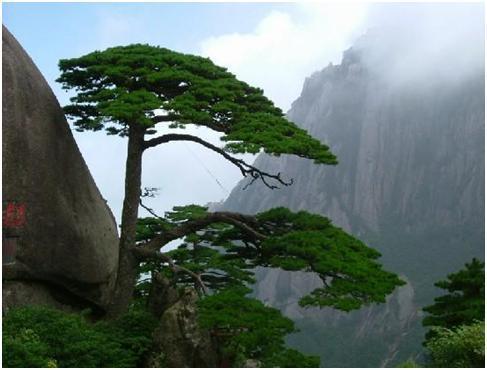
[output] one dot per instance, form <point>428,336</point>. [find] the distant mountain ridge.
<point>410,183</point>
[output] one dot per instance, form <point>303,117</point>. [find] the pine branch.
<point>245,168</point>
<point>145,254</point>
<point>243,222</point>
<point>150,210</point>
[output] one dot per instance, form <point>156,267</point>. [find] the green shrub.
<point>25,349</point>
<point>291,358</point>
<point>248,329</point>
<point>132,333</point>
<point>408,363</point>
<point>463,346</point>
<point>45,337</point>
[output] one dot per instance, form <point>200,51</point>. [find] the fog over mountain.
<point>404,113</point>
<point>425,43</point>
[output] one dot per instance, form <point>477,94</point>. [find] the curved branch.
<point>144,254</point>
<point>245,168</point>
<point>150,210</point>
<point>240,221</point>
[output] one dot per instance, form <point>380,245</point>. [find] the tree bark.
<point>127,262</point>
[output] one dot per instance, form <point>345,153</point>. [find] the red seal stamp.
<point>13,215</point>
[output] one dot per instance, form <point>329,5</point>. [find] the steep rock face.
<point>410,183</point>
<point>57,228</point>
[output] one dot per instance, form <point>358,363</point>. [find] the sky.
<point>269,45</point>
<point>274,46</point>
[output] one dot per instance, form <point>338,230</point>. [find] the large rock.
<point>26,293</point>
<point>179,341</point>
<point>57,228</point>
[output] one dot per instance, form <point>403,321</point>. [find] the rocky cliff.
<point>410,183</point>
<point>60,242</point>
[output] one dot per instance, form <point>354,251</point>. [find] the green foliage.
<point>247,329</point>
<point>132,332</point>
<point>44,337</point>
<point>122,86</point>
<point>25,349</point>
<point>408,364</point>
<point>224,255</point>
<point>465,301</point>
<point>456,338</point>
<point>347,267</point>
<point>291,358</point>
<point>463,346</point>
<point>186,213</point>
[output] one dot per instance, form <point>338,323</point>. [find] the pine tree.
<point>122,89</point>
<point>129,90</point>
<point>465,301</point>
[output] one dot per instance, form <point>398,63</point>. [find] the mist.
<point>424,44</point>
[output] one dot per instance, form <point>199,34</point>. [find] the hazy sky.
<point>273,46</point>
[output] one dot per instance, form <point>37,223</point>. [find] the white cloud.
<point>285,48</point>
<point>423,44</point>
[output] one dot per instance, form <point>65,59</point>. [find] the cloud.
<point>284,48</point>
<point>421,44</point>
<point>433,43</point>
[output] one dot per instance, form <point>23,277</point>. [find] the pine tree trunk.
<point>127,264</point>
